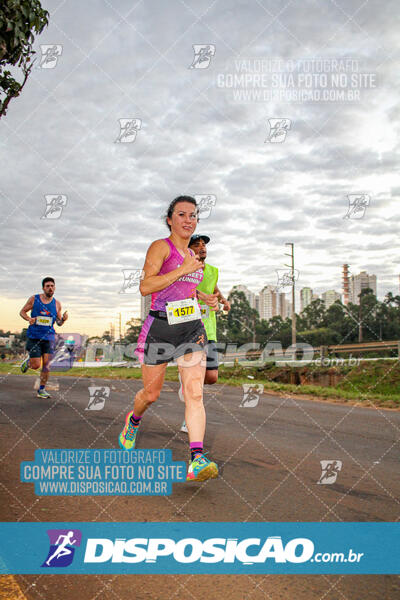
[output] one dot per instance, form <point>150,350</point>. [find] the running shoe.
<point>25,365</point>
<point>201,468</point>
<point>43,394</point>
<point>127,437</point>
<point>184,429</point>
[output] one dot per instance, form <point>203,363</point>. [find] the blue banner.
<point>201,548</point>
<point>84,472</point>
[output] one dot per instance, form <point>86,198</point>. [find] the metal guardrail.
<point>366,346</point>
<point>323,351</point>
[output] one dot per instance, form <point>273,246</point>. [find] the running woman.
<point>45,311</point>
<point>173,330</point>
<point>209,297</point>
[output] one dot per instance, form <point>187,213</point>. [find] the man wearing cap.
<point>209,297</point>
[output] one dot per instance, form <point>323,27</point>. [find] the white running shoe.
<point>184,429</point>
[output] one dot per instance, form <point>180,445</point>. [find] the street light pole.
<point>293,292</point>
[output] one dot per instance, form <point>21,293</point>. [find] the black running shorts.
<point>159,342</point>
<point>37,348</point>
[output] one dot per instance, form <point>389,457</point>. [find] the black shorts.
<point>212,356</point>
<point>159,342</point>
<point>37,347</point>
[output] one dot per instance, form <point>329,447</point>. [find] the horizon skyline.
<point>100,331</point>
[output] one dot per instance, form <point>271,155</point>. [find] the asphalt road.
<point>269,455</point>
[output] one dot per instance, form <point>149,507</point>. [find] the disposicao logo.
<point>190,550</point>
<point>62,547</point>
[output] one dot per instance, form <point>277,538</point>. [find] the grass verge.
<point>368,384</point>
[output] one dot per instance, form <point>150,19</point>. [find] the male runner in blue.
<point>45,311</point>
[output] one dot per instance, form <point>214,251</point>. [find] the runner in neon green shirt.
<point>209,297</point>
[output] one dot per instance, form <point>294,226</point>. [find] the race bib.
<point>205,311</point>
<point>182,311</point>
<point>47,321</point>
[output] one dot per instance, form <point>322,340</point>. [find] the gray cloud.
<point>59,138</point>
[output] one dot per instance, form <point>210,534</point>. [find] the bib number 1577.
<point>181,311</point>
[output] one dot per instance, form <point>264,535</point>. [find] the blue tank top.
<point>46,315</point>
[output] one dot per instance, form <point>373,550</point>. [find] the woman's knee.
<point>34,363</point>
<point>193,389</point>
<point>150,396</point>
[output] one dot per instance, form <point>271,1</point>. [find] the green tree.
<point>239,325</point>
<point>18,20</point>
<point>106,337</point>
<point>337,319</point>
<point>323,336</point>
<point>312,316</point>
<point>132,331</point>
<point>369,311</point>
<point>389,316</point>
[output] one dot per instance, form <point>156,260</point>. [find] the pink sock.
<point>196,448</point>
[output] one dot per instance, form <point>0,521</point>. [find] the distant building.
<point>250,296</point>
<point>288,310</point>
<point>306,297</point>
<point>272,303</point>
<point>266,302</point>
<point>360,282</point>
<point>145,303</point>
<point>281,304</point>
<point>329,297</point>
<point>346,284</point>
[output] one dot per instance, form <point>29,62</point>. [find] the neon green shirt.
<point>210,278</point>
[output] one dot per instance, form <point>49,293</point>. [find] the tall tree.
<point>312,316</point>
<point>18,20</point>
<point>240,323</point>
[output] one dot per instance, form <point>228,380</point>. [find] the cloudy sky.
<point>198,135</point>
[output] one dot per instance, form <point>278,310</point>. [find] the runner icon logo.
<point>98,396</point>
<point>202,56</point>
<point>132,279</point>
<point>50,55</point>
<point>330,470</point>
<point>278,129</point>
<point>62,547</point>
<point>286,280</point>
<point>251,395</point>
<point>54,206</point>
<point>357,206</point>
<point>205,203</point>
<point>128,130</point>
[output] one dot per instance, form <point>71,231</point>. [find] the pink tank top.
<point>184,287</point>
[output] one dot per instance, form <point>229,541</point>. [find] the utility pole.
<point>293,294</point>
<point>119,320</point>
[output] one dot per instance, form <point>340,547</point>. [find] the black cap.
<point>196,238</point>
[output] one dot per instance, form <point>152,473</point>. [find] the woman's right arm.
<point>156,254</point>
